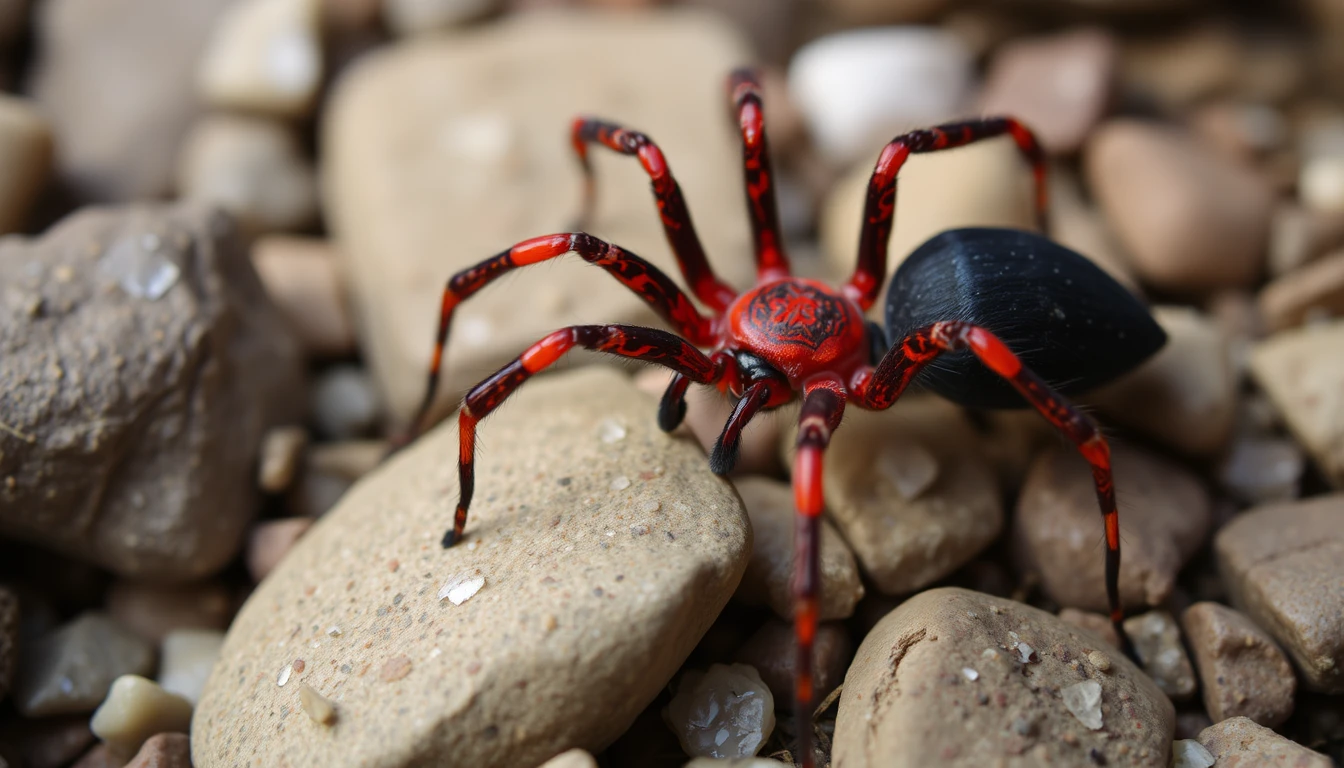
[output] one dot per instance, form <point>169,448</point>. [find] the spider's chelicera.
<point>956,310</point>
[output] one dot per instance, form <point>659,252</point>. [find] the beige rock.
<point>1243,671</point>
<point>1157,640</point>
<point>598,565</point>
<point>1059,85</point>
<point>985,184</point>
<point>345,402</point>
<point>1281,564</point>
<point>772,652</point>
<point>941,675</point>
<point>9,639</point>
<point>1302,371</point>
<point>135,710</point>
<point>302,278</point>
<point>1095,623</point>
<point>1312,292</point>
<point>321,709</point>
<point>1165,514</point>
<point>164,750</point>
<point>574,758</point>
<point>281,455</point>
<point>408,17</point>
<point>1321,183</point>
<point>251,167</point>
<point>116,78</point>
<point>1298,236</point>
<point>1078,224</point>
<point>186,658</point>
<point>26,156</point>
<point>348,459</point>
<point>154,611</point>
<point>1191,219</point>
<point>428,170</point>
<point>1259,470</point>
<point>707,410</point>
<point>1185,396</point>
<point>264,56</point>
<point>1185,66</point>
<point>1243,131</point>
<point>70,670</point>
<point>770,506</point>
<point>143,365</point>
<point>270,541</point>
<point>1240,743</point>
<point>910,492</point>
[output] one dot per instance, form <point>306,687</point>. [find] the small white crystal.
<point>284,675</point>
<point>725,712</point>
<point>620,483</point>
<point>970,674</point>
<point>611,431</point>
<point>460,589</point>
<point>1024,653</point>
<point>1188,753</point>
<point>1084,701</point>
<point>141,271</point>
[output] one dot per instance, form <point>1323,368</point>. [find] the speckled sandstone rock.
<point>598,565</point>
<point>770,506</point>
<point>1165,514</point>
<point>1302,371</point>
<point>1241,667</point>
<point>943,676</point>
<point>1282,565</point>
<point>143,365</point>
<point>910,491</point>
<point>477,122</point>
<point>1240,743</point>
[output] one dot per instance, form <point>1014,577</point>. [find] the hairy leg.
<point>676,217</point>
<point>744,89</point>
<point>647,281</point>
<point>900,365</point>
<point>823,406</point>
<point>648,344</point>
<point>880,207</point>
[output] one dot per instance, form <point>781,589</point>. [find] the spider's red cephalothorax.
<point>948,308</point>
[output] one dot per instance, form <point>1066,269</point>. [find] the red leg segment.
<point>880,207</point>
<point>823,407</point>
<point>646,280</point>
<point>647,344</point>
<point>745,91</point>
<point>672,208</point>
<point>900,365</point>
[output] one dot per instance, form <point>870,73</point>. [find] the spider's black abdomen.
<point>1062,315</point>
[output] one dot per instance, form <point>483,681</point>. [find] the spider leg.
<point>648,344</point>
<point>726,450</point>
<point>745,90</point>
<point>823,406</point>
<point>646,280</point>
<point>672,208</point>
<point>903,361</point>
<point>864,286</point>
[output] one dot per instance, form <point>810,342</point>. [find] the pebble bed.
<point>231,222</point>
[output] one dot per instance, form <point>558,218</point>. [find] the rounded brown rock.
<point>1239,742</point>
<point>589,571</point>
<point>940,678</point>
<point>1243,672</point>
<point>1192,220</point>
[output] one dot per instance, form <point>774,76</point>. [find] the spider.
<point>957,309</point>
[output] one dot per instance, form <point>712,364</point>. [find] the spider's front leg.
<point>647,281</point>
<point>647,344</point>
<point>905,360</point>
<point>823,406</point>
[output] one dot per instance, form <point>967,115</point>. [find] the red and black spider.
<point>958,308</point>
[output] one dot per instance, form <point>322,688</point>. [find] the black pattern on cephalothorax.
<point>798,314</point>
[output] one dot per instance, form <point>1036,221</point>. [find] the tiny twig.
<point>828,701</point>
<point>24,436</point>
